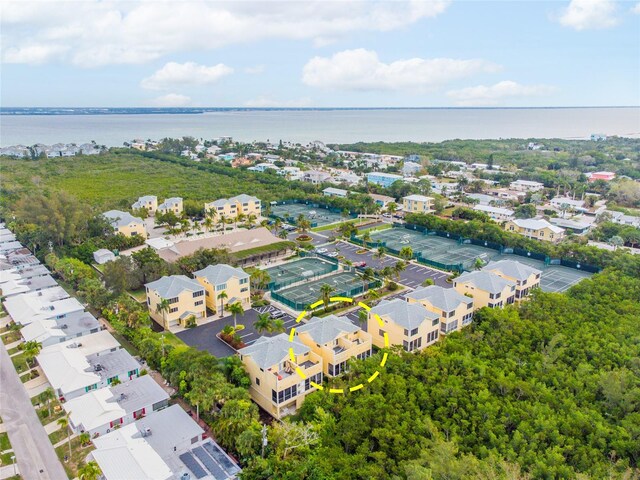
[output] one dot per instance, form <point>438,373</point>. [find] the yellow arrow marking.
<point>301,373</point>
<point>384,359</point>
<point>292,333</point>
<point>315,385</point>
<point>386,339</point>
<point>377,317</point>
<point>364,305</point>
<point>341,299</point>
<point>292,355</point>
<point>373,377</point>
<point>336,390</point>
<point>357,387</point>
<point>317,304</point>
<point>301,316</point>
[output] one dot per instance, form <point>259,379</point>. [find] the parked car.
<point>332,254</point>
<point>360,264</point>
<point>277,314</point>
<point>321,250</point>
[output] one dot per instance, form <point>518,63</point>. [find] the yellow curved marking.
<point>336,390</point>
<point>317,304</point>
<point>292,333</point>
<point>386,339</point>
<point>384,359</point>
<point>301,316</point>
<point>300,373</point>
<point>364,305</point>
<point>341,299</point>
<point>357,387</point>
<point>373,377</point>
<point>314,384</point>
<point>292,355</point>
<point>377,317</point>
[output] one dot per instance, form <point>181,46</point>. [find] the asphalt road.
<point>34,453</point>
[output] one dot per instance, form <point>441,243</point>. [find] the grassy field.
<point>5,444</point>
<point>117,180</point>
<point>78,454</point>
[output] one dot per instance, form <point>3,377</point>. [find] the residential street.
<point>34,453</point>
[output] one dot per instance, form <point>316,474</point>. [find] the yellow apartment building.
<point>417,204</point>
<point>538,229</point>
<point>525,276</point>
<point>454,309</point>
<point>336,340</point>
<point>216,279</point>
<point>231,207</point>
<point>486,288</point>
<point>407,324</point>
<point>275,384</point>
<point>148,202</point>
<point>124,223</point>
<point>185,298</point>
<point>173,204</point>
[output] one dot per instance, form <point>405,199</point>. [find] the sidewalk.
<point>8,471</point>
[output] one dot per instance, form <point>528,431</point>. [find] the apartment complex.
<point>173,204</point>
<point>486,288</point>
<point>407,324</point>
<point>148,202</point>
<point>525,277</point>
<point>335,340</point>
<point>383,179</point>
<point>275,382</point>
<point>538,229</point>
<point>232,207</point>
<point>234,282</point>
<point>495,213</point>
<point>417,204</point>
<point>185,298</point>
<point>454,309</point>
<point>526,186</point>
<point>124,223</point>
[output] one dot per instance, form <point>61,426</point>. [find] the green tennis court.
<point>318,216</point>
<point>554,278</point>
<point>297,271</point>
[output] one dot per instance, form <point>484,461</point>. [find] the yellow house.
<point>275,385</point>
<point>407,324</point>
<point>173,204</point>
<point>336,340</point>
<point>417,204</point>
<point>148,202</point>
<point>486,288</point>
<point>125,224</point>
<point>538,229</point>
<point>185,299</point>
<point>525,276</point>
<point>231,207</point>
<point>224,278</point>
<point>454,309</point>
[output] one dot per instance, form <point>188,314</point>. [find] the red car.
<point>360,264</point>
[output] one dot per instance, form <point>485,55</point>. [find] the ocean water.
<point>112,128</point>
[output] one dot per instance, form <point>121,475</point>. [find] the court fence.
<point>292,220</point>
<point>352,292</point>
<point>333,266</point>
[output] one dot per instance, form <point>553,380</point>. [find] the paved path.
<point>37,460</point>
<point>8,471</point>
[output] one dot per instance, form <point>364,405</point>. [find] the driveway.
<point>411,277</point>
<point>34,453</point>
<point>204,336</point>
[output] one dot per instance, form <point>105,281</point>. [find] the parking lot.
<point>204,336</point>
<point>412,276</point>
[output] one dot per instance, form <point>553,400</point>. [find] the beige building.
<point>276,384</point>
<point>486,288</point>
<point>148,202</point>
<point>407,324</point>
<point>525,276</point>
<point>185,299</point>
<point>224,278</point>
<point>124,223</point>
<point>336,340</point>
<point>538,229</point>
<point>173,204</point>
<point>232,207</point>
<point>454,309</point>
<point>417,204</point>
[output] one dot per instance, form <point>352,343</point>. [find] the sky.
<point>395,53</point>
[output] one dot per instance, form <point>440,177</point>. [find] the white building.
<point>526,186</point>
<point>103,256</point>
<point>495,213</point>
<point>335,192</point>
<point>53,331</point>
<point>51,303</point>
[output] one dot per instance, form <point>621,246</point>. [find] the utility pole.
<point>264,438</point>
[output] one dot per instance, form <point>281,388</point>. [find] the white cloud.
<point>636,9</point>
<point>93,33</point>
<point>179,74</point>
<point>255,70</point>
<point>483,95</point>
<point>33,54</point>
<point>266,101</point>
<point>589,14</point>
<point>171,100</point>
<point>361,69</point>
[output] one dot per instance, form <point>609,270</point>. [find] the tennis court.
<point>301,296</point>
<point>465,254</point>
<point>554,278</point>
<point>318,216</point>
<point>297,271</point>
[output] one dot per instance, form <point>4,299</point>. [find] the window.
<point>432,336</point>
<point>195,440</point>
<point>469,306</point>
<point>174,300</point>
<point>199,293</point>
<point>91,387</point>
<point>148,301</point>
<point>542,234</point>
<point>449,327</point>
<point>363,355</point>
<point>257,381</point>
<point>173,310</point>
<point>222,286</point>
<point>466,320</point>
<point>435,322</point>
<point>207,293</point>
<point>132,372</point>
<point>336,370</point>
<point>381,332</point>
<point>317,378</point>
<point>110,380</point>
<point>284,395</point>
<point>414,332</point>
<point>412,345</point>
<point>242,290</point>
<point>198,303</point>
<point>243,281</point>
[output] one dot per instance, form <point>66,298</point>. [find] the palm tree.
<point>326,290</point>
<point>303,224</point>
<point>84,438</point>
<point>406,253</point>
<point>222,221</point>
<point>367,276</point>
<point>363,316</point>
<point>64,424</point>
<point>380,252</point>
<point>373,294</point>
<point>46,396</point>
<point>263,323</point>
<point>277,223</point>
<point>236,309</point>
<point>283,234</point>
<point>251,220</point>
<point>398,268</point>
<point>392,207</point>
<point>31,349</point>
<point>222,296</point>
<point>278,326</point>
<point>208,220</point>
<point>616,241</point>
<point>238,219</point>
<point>89,471</point>
<point>478,264</point>
<point>163,308</point>
<point>366,238</point>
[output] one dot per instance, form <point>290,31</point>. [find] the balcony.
<point>350,346</point>
<point>286,375</point>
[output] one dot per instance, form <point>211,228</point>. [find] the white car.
<point>322,250</point>
<point>332,254</point>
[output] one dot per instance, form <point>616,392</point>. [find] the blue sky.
<point>320,54</point>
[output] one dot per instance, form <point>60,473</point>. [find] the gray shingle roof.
<point>487,281</point>
<point>120,219</point>
<point>405,314</point>
<point>511,268</point>
<point>327,329</point>
<point>446,299</point>
<point>170,287</point>
<point>269,351</point>
<point>221,273</point>
<point>243,198</point>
